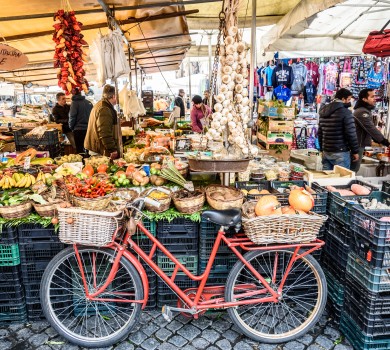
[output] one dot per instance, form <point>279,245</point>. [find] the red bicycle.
<point>93,296</point>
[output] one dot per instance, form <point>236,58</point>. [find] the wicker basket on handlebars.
<point>88,227</point>
<point>283,228</point>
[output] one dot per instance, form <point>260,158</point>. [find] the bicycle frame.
<point>196,304</point>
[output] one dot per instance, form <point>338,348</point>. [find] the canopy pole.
<point>253,58</point>
<point>136,77</point>
<point>189,81</point>
<point>130,75</point>
<point>24,93</point>
<point>210,61</point>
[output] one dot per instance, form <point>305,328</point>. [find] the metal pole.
<point>24,93</point>
<point>210,60</point>
<point>117,106</point>
<point>130,74</point>
<point>136,77</point>
<point>189,80</point>
<point>253,57</point>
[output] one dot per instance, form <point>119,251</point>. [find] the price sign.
<point>27,162</point>
<point>11,58</point>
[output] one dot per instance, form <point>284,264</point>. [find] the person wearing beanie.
<point>199,113</point>
<point>365,128</point>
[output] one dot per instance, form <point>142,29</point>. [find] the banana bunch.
<point>7,182</point>
<point>25,180</point>
<point>42,177</point>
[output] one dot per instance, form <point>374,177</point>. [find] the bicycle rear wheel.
<point>301,304</point>
<point>79,320</point>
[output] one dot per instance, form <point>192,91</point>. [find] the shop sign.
<point>11,58</point>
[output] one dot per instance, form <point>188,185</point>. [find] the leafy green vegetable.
<point>37,198</point>
<point>31,219</point>
<point>172,214</point>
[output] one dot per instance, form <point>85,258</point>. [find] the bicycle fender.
<point>144,278</point>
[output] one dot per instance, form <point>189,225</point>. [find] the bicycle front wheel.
<point>299,308</point>
<point>82,321</point>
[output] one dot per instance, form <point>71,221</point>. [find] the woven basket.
<point>164,203</point>
<point>284,228</point>
<point>89,227</point>
<point>47,210</point>
<point>248,210</point>
<point>99,203</point>
<point>189,205</point>
<point>17,211</point>
<point>224,204</point>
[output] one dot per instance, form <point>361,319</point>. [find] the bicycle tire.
<point>278,312</point>
<point>106,315</point>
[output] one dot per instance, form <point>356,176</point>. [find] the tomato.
<point>88,170</point>
<point>102,169</point>
<point>130,170</point>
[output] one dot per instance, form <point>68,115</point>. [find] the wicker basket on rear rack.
<point>283,229</point>
<point>88,227</point>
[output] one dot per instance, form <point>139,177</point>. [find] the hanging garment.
<point>282,75</point>
<point>268,72</point>
<point>309,93</point>
<point>299,73</point>
<point>282,93</point>
<point>313,73</point>
<point>321,81</point>
<point>346,74</point>
<point>331,75</point>
<point>375,78</point>
<point>97,57</point>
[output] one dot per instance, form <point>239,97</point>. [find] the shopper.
<point>199,113</point>
<point>206,97</point>
<point>365,127</point>
<point>61,116</point>
<point>337,132</point>
<point>179,102</point>
<point>104,134</point>
<point>80,109</point>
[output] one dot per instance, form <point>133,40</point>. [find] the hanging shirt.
<point>268,72</point>
<point>300,73</point>
<point>309,92</point>
<point>260,75</point>
<point>321,81</point>
<point>282,75</point>
<point>282,93</point>
<point>331,76</point>
<point>375,77</point>
<point>312,73</point>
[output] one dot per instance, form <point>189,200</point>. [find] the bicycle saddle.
<point>228,217</point>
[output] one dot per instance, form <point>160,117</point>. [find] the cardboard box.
<point>288,112</point>
<point>273,138</point>
<point>270,111</point>
<point>337,176</point>
<point>281,126</point>
<point>282,155</point>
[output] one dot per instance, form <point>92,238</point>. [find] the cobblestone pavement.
<point>212,332</point>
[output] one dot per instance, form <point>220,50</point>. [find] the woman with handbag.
<point>199,114</point>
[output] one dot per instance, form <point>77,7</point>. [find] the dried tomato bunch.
<point>69,55</point>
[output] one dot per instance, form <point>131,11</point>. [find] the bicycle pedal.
<point>167,313</point>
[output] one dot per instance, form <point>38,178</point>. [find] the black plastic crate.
<point>10,292</point>
<point>369,304</point>
<point>50,137</point>
<point>358,339</point>
<point>13,312</point>
<point>377,257</point>
<point>8,235</point>
<point>54,150</point>
<point>34,311</point>
<point>222,263</point>
<point>182,245</point>
<point>209,230</point>
<point>166,229</point>
<point>341,207</point>
<point>374,279</point>
<point>206,245</point>
<point>32,292</point>
<point>190,262</point>
<point>217,279</point>
<point>320,197</point>
<point>371,236</point>
<point>372,325</point>
<point>165,296</point>
<point>342,232</point>
<point>335,311</point>
<point>10,274</point>
<point>254,185</point>
<point>330,265</point>
<point>337,250</point>
<point>39,251</point>
<point>35,232</point>
<point>336,289</point>
<point>32,273</point>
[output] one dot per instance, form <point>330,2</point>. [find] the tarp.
<point>339,29</point>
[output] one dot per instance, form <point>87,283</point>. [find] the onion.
<point>288,211</point>
<point>268,205</point>
<point>54,221</point>
<point>300,199</point>
<point>70,220</point>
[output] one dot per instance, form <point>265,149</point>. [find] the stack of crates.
<point>366,317</point>
<point>225,258</point>
<point>146,245</point>
<point>38,246</point>
<point>12,301</point>
<point>48,142</point>
<point>181,238</point>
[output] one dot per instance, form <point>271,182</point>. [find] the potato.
<point>254,191</point>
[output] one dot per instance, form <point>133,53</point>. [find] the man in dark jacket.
<point>365,128</point>
<point>80,109</point>
<point>179,102</point>
<point>337,132</point>
<point>61,116</point>
<point>103,134</point>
